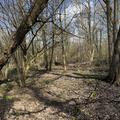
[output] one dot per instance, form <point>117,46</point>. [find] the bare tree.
<point>114,74</point>
<point>25,26</point>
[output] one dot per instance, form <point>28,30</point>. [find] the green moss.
<point>8,97</point>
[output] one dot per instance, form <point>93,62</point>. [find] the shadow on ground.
<point>83,76</point>
<point>90,76</point>
<point>5,106</point>
<point>100,103</point>
<point>69,107</point>
<point>36,73</point>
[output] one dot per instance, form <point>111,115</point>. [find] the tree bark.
<point>110,41</point>
<point>114,74</point>
<point>45,49</point>
<point>115,21</point>
<point>23,29</point>
<point>100,45</point>
<point>63,46</point>
<point>52,51</point>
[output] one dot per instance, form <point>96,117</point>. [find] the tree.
<point>28,21</point>
<point>114,74</point>
<point>115,21</point>
<point>63,46</point>
<point>45,49</point>
<point>109,30</point>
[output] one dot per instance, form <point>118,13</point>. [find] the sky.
<point>71,8</point>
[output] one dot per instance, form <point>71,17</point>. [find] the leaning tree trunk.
<point>23,29</point>
<point>114,74</point>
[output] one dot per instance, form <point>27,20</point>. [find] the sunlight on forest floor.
<point>71,95</point>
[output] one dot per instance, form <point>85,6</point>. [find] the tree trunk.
<point>100,45</point>
<point>52,52</point>
<point>110,41</point>
<point>89,23</point>
<point>45,50</point>
<point>63,52</point>
<point>114,74</point>
<point>63,46</point>
<point>53,38</point>
<point>115,21</point>
<point>23,29</point>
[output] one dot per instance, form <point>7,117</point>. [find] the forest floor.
<point>78,94</point>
